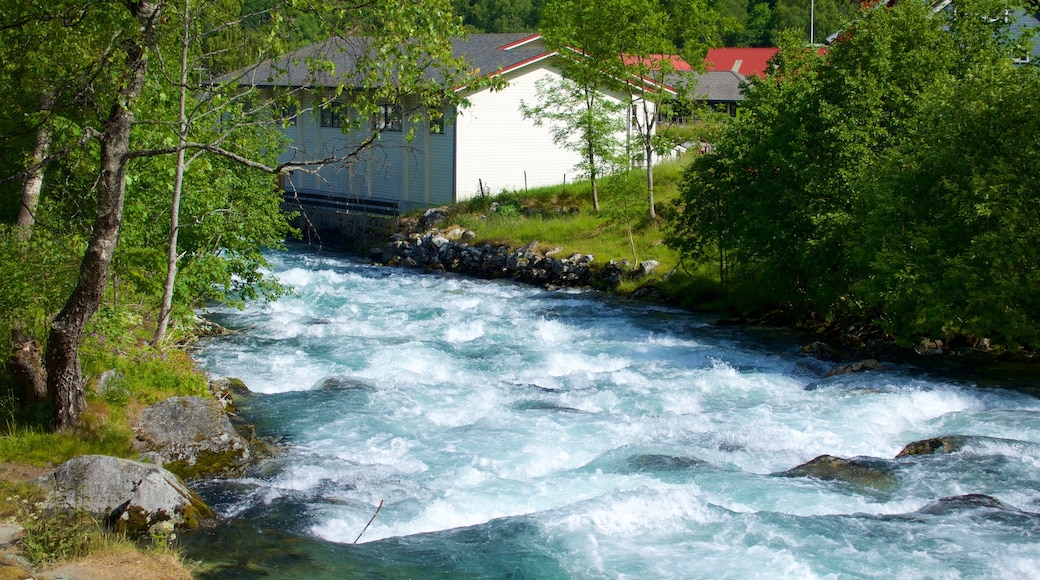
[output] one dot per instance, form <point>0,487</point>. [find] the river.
<point>508,431</point>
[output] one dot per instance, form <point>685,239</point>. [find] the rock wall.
<point>450,251</point>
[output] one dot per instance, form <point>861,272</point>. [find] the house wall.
<point>488,145</point>
<point>416,173</point>
<point>497,147</point>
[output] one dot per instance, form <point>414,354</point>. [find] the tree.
<point>403,39</point>
<point>856,184</point>
<point>583,120</point>
<point>621,43</point>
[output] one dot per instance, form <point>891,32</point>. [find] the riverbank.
<point>435,241</point>
<point>117,558</point>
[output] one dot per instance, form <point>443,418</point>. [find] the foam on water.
<point>562,435</point>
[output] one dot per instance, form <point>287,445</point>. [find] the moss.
<point>209,463</point>
<point>196,512</point>
<point>11,569</point>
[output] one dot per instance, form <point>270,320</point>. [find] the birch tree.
<point>583,120</point>
<point>404,40</point>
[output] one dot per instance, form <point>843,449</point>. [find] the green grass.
<point>545,215</point>
<point>46,448</point>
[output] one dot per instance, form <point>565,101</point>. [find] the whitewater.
<point>496,430</point>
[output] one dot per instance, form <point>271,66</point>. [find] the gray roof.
<point>712,86</point>
<point>485,53</point>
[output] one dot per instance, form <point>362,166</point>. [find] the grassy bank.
<point>563,216</point>
<point>125,375</point>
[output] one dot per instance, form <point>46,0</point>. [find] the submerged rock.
<point>131,496</point>
<point>944,444</point>
<point>948,505</point>
<point>652,462</point>
<point>192,437</point>
<point>343,384</point>
<point>831,468</point>
<point>856,367</point>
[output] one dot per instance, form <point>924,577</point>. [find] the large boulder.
<point>192,437</point>
<point>855,472</point>
<point>131,496</point>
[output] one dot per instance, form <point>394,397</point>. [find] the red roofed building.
<point>745,61</point>
<point>678,64</point>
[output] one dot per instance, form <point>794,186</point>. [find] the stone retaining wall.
<point>449,251</point>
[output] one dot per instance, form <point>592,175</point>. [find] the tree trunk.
<point>178,186</point>
<point>33,182</point>
<point>590,137</point>
<point>650,181</point>
<point>27,367</point>
<point>64,377</point>
<point>649,118</point>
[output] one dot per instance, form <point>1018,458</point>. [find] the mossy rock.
<point>944,444</point>
<point>132,497</point>
<point>831,468</point>
<point>13,569</point>
<point>208,463</point>
<point>192,437</point>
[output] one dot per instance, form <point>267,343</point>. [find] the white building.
<point>485,147</point>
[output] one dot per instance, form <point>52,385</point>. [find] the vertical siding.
<point>440,164</point>
<point>488,143</point>
<point>497,146</point>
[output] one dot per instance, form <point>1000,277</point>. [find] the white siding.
<point>489,144</point>
<point>417,173</point>
<point>497,146</point>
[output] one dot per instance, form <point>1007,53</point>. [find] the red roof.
<point>678,64</point>
<point>746,61</point>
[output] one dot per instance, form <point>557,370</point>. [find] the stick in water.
<point>372,519</point>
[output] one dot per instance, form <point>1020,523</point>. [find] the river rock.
<point>225,389</point>
<point>831,468</point>
<point>434,251</point>
<point>192,437</point>
<point>821,351</point>
<point>647,267</point>
<point>856,367</point>
<point>131,496</point>
<point>948,505</point>
<point>433,216</point>
<point>944,444</point>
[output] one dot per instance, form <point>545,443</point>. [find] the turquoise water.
<point>513,432</point>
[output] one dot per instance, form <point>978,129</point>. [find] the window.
<point>436,122</point>
<point>388,118</point>
<point>289,114</point>
<point>332,115</point>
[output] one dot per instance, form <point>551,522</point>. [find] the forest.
<point>745,23</point>
<point>891,181</point>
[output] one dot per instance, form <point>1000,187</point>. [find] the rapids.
<point>514,432</point>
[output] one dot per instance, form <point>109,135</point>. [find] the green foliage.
<point>55,536</point>
<point>878,181</point>
<point>145,375</point>
<point>38,275</point>
<point>583,120</point>
<point>499,15</point>
<point>41,448</point>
